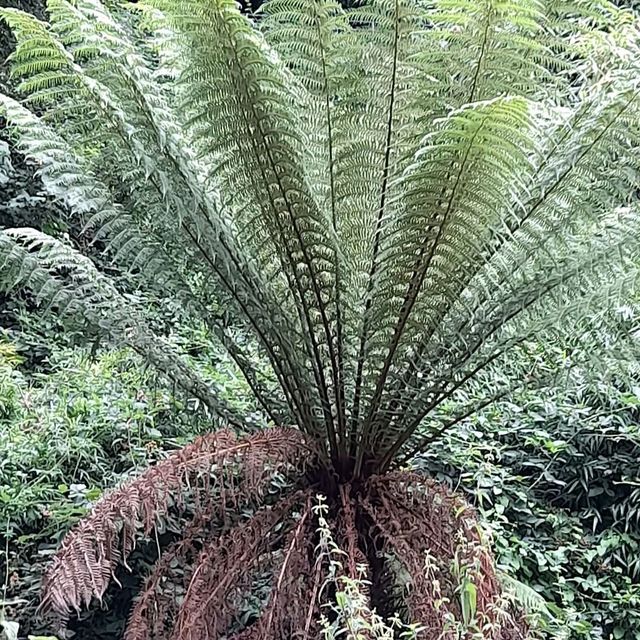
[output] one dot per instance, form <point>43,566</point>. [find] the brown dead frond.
<point>285,615</point>
<point>348,536</point>
<point>225,569</point>
<point>229,470</point>
<point>435,542</point>
<point>157,606</point>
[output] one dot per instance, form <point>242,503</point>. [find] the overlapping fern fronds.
<point>394,200</point>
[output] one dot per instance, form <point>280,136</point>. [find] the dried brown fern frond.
<point>435,546</point>
<point>348,534</point>
<point>84,565</point>
<point>396,529</point>
<point>286,612</point>
<point>226,567</point>
<point>158,604</point>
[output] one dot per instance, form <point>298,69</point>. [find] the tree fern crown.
<point>394,201</point>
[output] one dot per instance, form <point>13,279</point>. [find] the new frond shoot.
<point>398,205</point>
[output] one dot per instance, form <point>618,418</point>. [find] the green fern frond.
<point>529,599</point>
<point>251,112</point>
<point>394,200</point>
<point>67,283</point>
<point>94,205</point>
<point>199,226</point>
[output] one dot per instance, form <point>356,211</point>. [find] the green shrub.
<point>72,432</point>
<point>555,477</point>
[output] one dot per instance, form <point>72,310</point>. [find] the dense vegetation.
<point>113,418</point>
<point>391,219</point>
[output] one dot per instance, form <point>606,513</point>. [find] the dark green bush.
<point>556,478</point>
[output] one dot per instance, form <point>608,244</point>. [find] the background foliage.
<point>555,476</point>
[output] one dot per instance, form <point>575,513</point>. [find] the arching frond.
<point>66,282</point>
<point>251,112</point>
<point>201,228</point>
<point>83,567</point>
<point>527,597</point>
<point>93,204</point>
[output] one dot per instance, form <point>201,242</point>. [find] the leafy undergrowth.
<point>555,479</point>
<point>68,434</point>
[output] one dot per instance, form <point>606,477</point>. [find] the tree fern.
<point>395,201</point>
